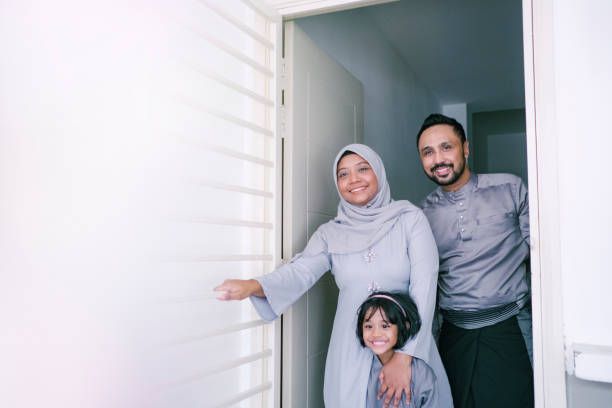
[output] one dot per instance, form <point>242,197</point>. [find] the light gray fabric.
<point>356,228</point>
<point>384,245</point>
<point>482,233</point>
<point>524,321</point>
<point>404,259</point>
<point>422,388</point>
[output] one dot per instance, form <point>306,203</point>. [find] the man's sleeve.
<point>522,209</point>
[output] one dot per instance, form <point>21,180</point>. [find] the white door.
<point>323,111</point>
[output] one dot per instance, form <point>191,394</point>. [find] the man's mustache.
<point>437,166</point>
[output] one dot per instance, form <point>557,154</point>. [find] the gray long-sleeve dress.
<point>406,258</point>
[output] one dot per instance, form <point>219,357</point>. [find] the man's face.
<point>443,157</point>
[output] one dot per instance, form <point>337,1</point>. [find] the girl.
<point>385,322</point>
<point>373,242</point>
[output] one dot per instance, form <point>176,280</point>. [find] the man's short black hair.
<point>439,119</point>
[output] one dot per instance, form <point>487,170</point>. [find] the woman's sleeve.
<point>423,255</point>
<point>290,281</point>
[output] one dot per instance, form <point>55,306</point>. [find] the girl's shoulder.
<point>422,367</point>
<point>424,392</point>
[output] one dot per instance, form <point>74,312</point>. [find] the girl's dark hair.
<point>407,326</point>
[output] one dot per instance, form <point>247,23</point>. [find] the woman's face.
<point>357,182</point>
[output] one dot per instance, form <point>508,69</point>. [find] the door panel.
<point>323,112</point>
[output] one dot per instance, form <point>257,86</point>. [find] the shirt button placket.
<point>461,219</point>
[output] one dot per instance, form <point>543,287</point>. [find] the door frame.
<point>542,165</point>
<point>304,8</point>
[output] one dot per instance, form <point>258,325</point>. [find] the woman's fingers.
<point>382,387</point>
<point>222,286</point>
<point>408,394</point>
<point>398,397</point>
<point>394,397</point>
<point>237,289</point>
<point>226,289</point>
<point>222,294</point>
<point>388,396</point>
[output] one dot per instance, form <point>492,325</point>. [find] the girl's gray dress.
<point>423,392</point>
<point>405,258</point>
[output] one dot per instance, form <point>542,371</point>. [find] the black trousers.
<point>487,367</point>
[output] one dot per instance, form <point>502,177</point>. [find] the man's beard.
<point>454,177</point>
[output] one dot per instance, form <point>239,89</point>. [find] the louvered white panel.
<point>220,220</point>
<point>138,169</point>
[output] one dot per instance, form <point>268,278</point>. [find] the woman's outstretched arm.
<point>238,289</point>
<point>273,293</point>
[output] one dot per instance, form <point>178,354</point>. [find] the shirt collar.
<point>462,193</point>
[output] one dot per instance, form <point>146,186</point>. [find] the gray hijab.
<point>357,228</point>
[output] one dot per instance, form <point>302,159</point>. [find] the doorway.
<point>397,96</point>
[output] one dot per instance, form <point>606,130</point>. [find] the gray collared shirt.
<point>482,233</point>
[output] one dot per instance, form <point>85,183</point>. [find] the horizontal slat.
<point>218,332</point>
<point>238,189</point>
<point>226,221</point>
<point>244,395</point>
<point>229,84</point>
<point>241,156</point>
<point>223,150</point>
<point>221,368</point>
<point>239,24</point>
<point>221,258</point>
<point>225,116</point>
<point>234,53</point>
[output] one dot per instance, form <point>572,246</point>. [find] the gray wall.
<point>395,102</point>
<point>499,142</point>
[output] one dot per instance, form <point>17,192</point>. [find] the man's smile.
<point>442,170</point>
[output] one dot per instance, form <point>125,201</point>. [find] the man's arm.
<point>521,201</point>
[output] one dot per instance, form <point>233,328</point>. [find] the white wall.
<point>583,62</point>
<point>395,101</point>
<point>77,153</point>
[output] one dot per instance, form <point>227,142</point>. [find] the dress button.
<point>461,203</point>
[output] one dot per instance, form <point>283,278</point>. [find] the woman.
<point>373,243</point>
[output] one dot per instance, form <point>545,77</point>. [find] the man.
<point>481,226</point>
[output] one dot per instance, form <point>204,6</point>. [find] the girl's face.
<point>379,334</point>
<point>357,182</point>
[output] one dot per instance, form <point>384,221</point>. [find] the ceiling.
<point>464,51</point>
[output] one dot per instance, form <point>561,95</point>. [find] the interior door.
<point>323,111</point>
